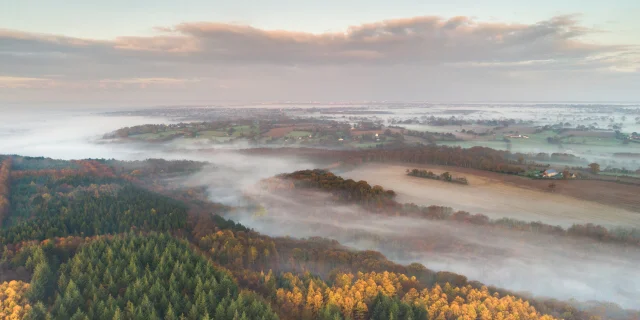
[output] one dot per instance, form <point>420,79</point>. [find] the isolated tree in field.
<point>595,168</point>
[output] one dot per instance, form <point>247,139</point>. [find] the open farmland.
<point>498,196</point>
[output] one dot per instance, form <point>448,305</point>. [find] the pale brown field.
<point>492,195</point>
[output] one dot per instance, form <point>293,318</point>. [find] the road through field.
<point>492,197</point>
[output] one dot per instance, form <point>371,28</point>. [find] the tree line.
<point>482,158</point>
<point>5,188</point>
<point>445,176</point>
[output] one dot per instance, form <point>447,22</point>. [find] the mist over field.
<point>543,265</point>
<point>493,197</point>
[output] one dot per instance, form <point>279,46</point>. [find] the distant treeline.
<point>5,188</point>
<point>145,128</point>
<point>546,157</point>
<point>627,155</point>
<point>445,176</point>
<point>476,157</point>
<point>453,121</point>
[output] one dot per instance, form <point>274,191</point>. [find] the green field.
<point>211,134</point>
<point>244,130</point>
<point>154,136</point>
<point>535,139</point>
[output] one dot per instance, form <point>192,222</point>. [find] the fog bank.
<point>544,265</point>
<point>67,134</point>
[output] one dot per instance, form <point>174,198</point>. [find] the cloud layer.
<point>208,59</point>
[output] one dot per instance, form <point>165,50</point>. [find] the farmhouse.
<point>518,136</point>
<point>549,173</point>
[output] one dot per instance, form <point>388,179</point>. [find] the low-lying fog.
<point>66,134</point>
<point>546,266</point>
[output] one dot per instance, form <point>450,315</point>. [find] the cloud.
<point>164,44</point>
<point>425,49</point>
<point>21,82</point>
<point>41,83</point>
<point>145,82</point>
<point>427,39</point>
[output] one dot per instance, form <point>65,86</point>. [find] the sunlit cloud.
<point>362,59</point>
<point>21,82</point>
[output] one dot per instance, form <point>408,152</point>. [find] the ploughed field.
<point>497,195</point>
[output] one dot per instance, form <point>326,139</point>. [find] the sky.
<point>118,52</point>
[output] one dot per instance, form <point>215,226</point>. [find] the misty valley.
<point>310,211</point>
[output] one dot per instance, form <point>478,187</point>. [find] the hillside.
<point>106,239</point>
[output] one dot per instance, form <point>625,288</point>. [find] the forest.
<point>92,239</point>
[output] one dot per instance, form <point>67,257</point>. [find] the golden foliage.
<point>354,295</point>
<point>13,303</point>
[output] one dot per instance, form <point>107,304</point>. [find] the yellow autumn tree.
<point>355,294</point>
<point>13,303</point>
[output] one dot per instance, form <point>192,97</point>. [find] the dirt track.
<point>498,195</point>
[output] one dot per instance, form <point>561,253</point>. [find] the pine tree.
<point>193,313</point>
<point>170,314</point>
<point>117,315</point>
<point>220,311</point>
<point>79,315</point>
<point>38,312</point>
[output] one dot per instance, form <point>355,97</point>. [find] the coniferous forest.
<point>106,239</point>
